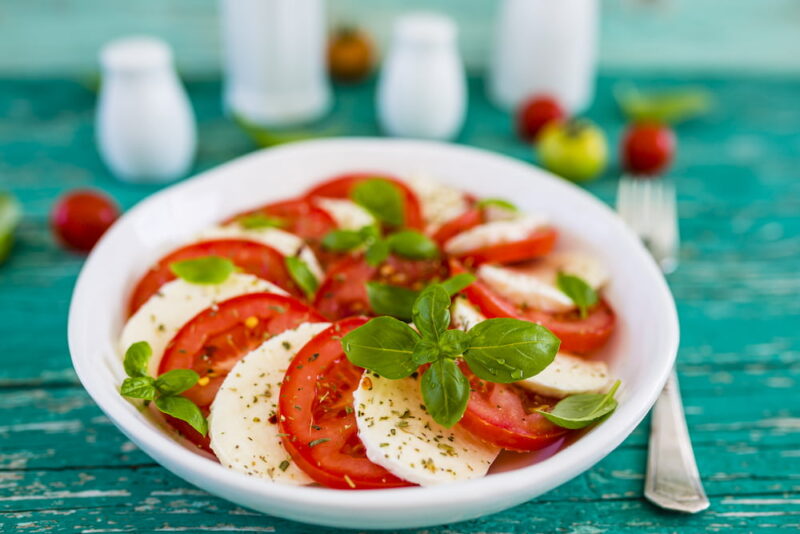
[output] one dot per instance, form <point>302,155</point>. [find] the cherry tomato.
<point>253,258</point>
<point>647,148</point>
<point>535,113</point>
<point>315,414</point>
<point>576,150</point>
<point>350,55</point>
<point>300,216</point>
<point>539,243</point>
<point>81,217</point>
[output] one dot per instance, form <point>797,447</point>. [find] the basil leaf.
<point>302,275</point>
<point>414,245</point>
<point>138,387</point>
<point>456,284</point>
<point>257,221</point>
<point>445,391</point>
<point>185,410</point>
<point>669,106</point>
<point>383,345</point>
<point>581,293</point>
<point>431,311</point>
<point>10,215</point>
<point>497,202</point>
<point>136,358</point>
<point>382,199</point>
<point>176,381</point>
<point>342,240</point>
<point>377,253</point>
<point>369,233</point>
<point>391,300</point>
<point>426,351</point>
<point>508,350</point>
<point>579,411</point>
<point>454,342</point>
<point>205,270</point>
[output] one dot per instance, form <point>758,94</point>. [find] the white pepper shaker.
<point>422,89</point>
<point>145,127</point>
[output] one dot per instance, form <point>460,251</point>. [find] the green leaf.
<point>10,215</point>
<point>497,202</point>
<point>136,358</point>
<point>426,351</point>
<point>431,311</point>
<point>578,291</point>
<point>391,300</point>
<point>456,284</point>
<point>139,387</point>
<point>343,240</point>
<point>579,411</point>
<point>445,391</point>
<point>185,410</point>
<point>413,245</point>
<point>302,275</point>
<point>509,350</point>
<point>382,199</point>
<point>377,253</point>
<point>205,270</point>
<point>454,343</point>
<point>176,381</point>
<point>383,345</point>
<point>667,106</point>
<point>257,221</point>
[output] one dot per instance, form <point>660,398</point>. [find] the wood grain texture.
<point>65,467</point>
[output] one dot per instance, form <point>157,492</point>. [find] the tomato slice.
<point>504,415</point>
<point>315,414</point>
<point>218,337</point>
<point>343,293</point>
<point>254,258</point>
<point>539,243</point>
<point>469,219</point>
<point>302,218</point>
<point>341,186</point>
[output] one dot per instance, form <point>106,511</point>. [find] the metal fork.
<point>673,481</point>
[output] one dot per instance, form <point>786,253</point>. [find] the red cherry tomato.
<point>315,414</point>
<point>81,217</point>
<point>535,113</point>
<point>647,148</point>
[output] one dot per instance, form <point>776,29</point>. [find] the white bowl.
<point>641,353</point>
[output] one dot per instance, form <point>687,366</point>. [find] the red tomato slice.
<point>253,258</point>
<point>341,186</point>
<point>315,414</point>
<point>302,218</point>
<point>504,415</point>
<point>469,219</point>
<point>218,337</point>
<point>537,244</point>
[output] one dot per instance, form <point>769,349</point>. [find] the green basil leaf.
<point>205,270</point>
<point>668,106</point>
<point>413,245</point>
<point>257,221</point>
<point>509,350</point>
<point>139,387</point>
<point>391,300</point>
<point>454,343</point>
<point>185,410</point>
<point>136,358</point>
<point>302,275</point>
<point>497,202</point>
<point>581,293</point>
<point>382,199</point>
<point>176,381</point>
<point>579,411</point>
<point>431,311</point>
<point>456,284</point>
<point>370,233</point>
<point>383,345</point>
<point>342,240</point>
<point>377,253</point>
<point>445,391</point>
<point>425,351</point>
<point>10,215</point>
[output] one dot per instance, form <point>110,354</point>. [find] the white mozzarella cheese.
<point>242,426</point>
<point>159,319</point>
<point>347,214</point>
<point>399,435</point>
<point>495,233</point>
<point>463,314</point>
<point>569,375</point>
<point>439,203</point>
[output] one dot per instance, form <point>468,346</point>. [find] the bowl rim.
<point>572,460</point>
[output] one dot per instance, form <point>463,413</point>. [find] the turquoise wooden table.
<point>65,467</point>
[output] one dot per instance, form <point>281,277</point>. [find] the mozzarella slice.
<point>439,203</point>
<point>399,435</point>
<point>495,233</point>
<point>242,425</point>
<point>463,314</point>
<point>347,214</point>
<point>569,375</point>
<point>159,319</point>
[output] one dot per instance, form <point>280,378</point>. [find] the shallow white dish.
<point>641,352</point>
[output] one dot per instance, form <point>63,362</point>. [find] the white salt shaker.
<point>544,46</point>
<point>146,130</point>
<point>422,89</point>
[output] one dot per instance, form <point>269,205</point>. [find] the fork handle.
<point>672,481</point>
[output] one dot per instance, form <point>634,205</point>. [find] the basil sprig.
<point>205,270</point>
<point>407,243</point>
<point>382,199</point>
<point>580,292</point>
<point>386,299</point>
<point>302,275</point>
<point>502,350</point>
<point>258,221</point>
<point>10,215</point>
<point>165,390</point>
<point>579,411</point>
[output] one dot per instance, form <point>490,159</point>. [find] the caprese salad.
<point>375,332</point>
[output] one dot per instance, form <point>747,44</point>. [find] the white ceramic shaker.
<point>274,60</point>
<point>422,88</point>
<point>544,46</point>
<point>145,126</point>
